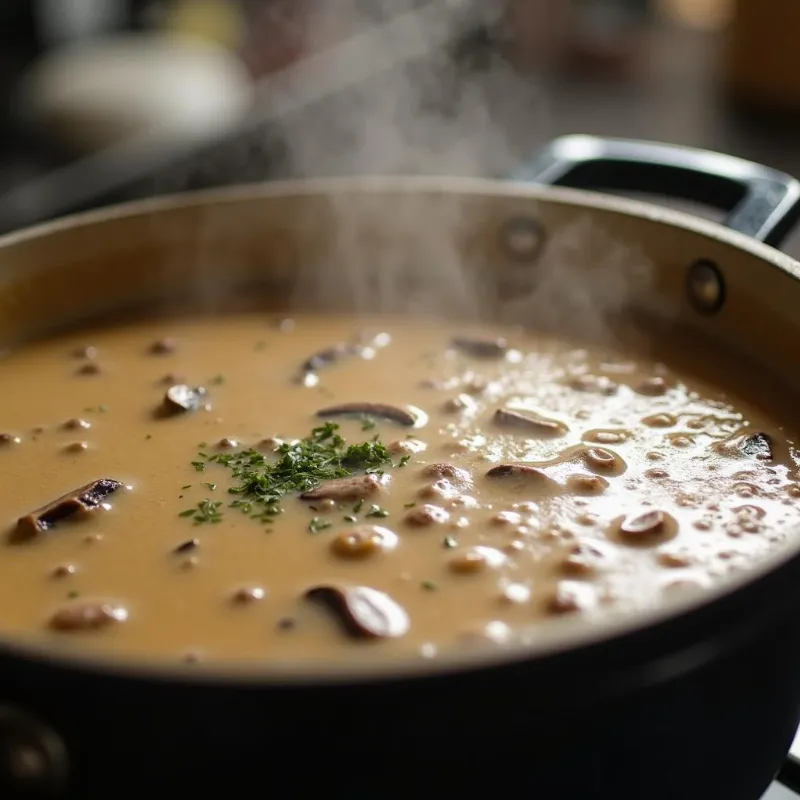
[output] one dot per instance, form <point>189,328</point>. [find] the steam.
<point>408,97</point>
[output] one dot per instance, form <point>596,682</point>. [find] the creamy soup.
<point>324,488</point>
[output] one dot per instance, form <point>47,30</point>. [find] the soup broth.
<point>329,488</point>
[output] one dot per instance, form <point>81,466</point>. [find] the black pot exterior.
<point>703,706</point>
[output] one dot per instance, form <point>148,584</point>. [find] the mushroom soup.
<point>247,488</point>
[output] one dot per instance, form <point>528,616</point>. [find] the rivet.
<point>705,287</point>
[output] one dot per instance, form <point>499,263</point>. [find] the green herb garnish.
<point>350,518</point>
<point>263,479</point>
<point>377,511</point>
<point>188,513</point>
<point>449,543</point>
<point>367,423</point>
<point>208,511</point>
<point>409,505</point>
<point>217,380</point>
<point>319,524</point>
<point>429,586</point>
<point>403,461</point>
<point>210,486</point>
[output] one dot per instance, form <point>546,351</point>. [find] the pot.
<point>696,699</point>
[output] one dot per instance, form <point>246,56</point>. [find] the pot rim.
<point>568,636</point>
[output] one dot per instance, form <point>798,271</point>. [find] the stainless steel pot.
<point>699,698</point>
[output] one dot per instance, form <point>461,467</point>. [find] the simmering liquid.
<point>247,488</point>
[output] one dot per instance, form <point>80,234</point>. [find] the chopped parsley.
<point>262,480</point>
<point>319,524</point>
<point>409,505</point>
<point>429,586</point>
<point>367,423</point>
<point>403,461</point>
<point>377,511</point>
<point>217,380</point>
<point>210,486</point>
<point>204,511</point>
<point>449,543</point>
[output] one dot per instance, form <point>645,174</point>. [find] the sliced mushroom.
<point>86,615</point>
<point>324,358</point>
<point>583,484</point>
<point>759,446</point>
<point>529,422</point>
<point>363,612</point>
<point>594,384</point>
<point>78,503</point>
<point>599,459</point>
<point>378,410</point>
<point>163,346</point>
<point>460,477</point>
<point>756,445</point>
<point>481,348</point>
<point>646,522</point>
<point>524,475</point>
<point>353,488</point>
<point>245,595</point>
<point>648,527</point>
<point>427,515</point>
<point>180,398</point>
<point>654,386</point>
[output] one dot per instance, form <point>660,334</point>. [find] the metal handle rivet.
<point>705,287</point>
<point>33,759</point>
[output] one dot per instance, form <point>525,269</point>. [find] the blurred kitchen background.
<point>107,100</point>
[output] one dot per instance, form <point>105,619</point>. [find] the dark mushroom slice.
<point>759,446</point>
<point>87,615</point>
<point>756,445</point>
<point>341,489</point>
<point>362,612</point>
<point>524,475</point>
<point>181,398</point>
<point>480,348</point>
<point>377,410</point>
<point>529,422</point>
<point>325,358</point>
<point>163,346</point>
<point>78,503</point>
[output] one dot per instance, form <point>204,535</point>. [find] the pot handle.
<point>762,203</point>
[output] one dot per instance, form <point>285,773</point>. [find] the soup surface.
<point>249,488</point>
